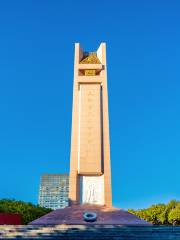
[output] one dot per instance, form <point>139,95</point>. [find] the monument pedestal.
<point>73,215</point>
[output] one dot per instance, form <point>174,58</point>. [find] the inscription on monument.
<point>90,129</point>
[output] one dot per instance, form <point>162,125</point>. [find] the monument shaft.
<point>90,172</point>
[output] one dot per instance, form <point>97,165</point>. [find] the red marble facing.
<point>74,215</point>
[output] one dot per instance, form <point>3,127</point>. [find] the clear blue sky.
<point>36,78</point>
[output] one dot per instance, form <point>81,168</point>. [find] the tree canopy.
<point>168,214</point>
<point>28,211</point>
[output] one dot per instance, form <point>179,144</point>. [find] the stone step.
<point>90,233</point>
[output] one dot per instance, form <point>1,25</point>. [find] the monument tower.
<point>90,171</point>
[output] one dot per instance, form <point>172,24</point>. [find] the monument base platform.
<point>73,215</point>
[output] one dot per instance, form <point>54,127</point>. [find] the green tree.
<point>174,216</point>
<point>164,219</point>
<point>28,211</point>
<point>160,213</point>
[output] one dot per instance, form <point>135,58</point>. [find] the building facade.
<point>54,190</point>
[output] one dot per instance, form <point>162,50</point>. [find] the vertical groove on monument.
<point>102,135</point>
<point>90,172</point>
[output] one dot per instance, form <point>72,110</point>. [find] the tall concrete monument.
<point>90,171</point>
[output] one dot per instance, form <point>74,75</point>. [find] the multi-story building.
<point>54,190</point>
